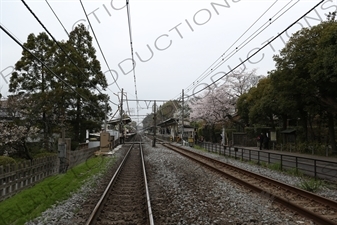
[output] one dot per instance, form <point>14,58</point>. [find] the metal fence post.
<point>315,169</point>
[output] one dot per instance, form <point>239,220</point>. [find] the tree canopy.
<point>63,81</point>
<point>302,88</point>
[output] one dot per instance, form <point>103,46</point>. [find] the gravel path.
<point>183,192</point>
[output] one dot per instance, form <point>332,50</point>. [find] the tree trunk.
<point>284,122</point>
<point>26,150</point>
<point>331,131</point>
<point>304,123</point>
<point>78,119</point>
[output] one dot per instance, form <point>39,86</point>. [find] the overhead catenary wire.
<point>218,63</point>
<point>57,43</point>
<point>254,35</point>
<point>268,43</point>
<point>208,69</point>
<point>244,43</point>
<point>132,55</point>
<point>249,39</point>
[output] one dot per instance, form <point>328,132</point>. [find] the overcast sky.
<point>174,41</point>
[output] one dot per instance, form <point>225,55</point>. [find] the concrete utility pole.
<point>154,124</point>
<point>182,119</point>
<point>121,120</point>
<point>63,130</point>
<point>62,148</point>
<point>106,115</point>
<point>223,131</point>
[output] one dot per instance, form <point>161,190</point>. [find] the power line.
<point>132,55</point>
<point>273,39</point>
<point>75,50</point>
<point>57,43</point>
<point>249,39</point>
<point>218,63</point>
<point>57,18</point>
<point>208,69</point>
<point>22,46</point>
<point>255,34</point>
<point>99,46</point>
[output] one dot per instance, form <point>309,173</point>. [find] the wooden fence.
<point>77,157</point>
<point>15,178</point>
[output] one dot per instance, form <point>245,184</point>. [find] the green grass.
<point>263,164</point>
<point>30,203</point>
<point>311,185</point>
<point>200,148</point>
<point>251,162</point>
<point>294,172</point>
<point>275,166</point>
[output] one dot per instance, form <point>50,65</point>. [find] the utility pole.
<point>62,147</point>
<point>121,120</point>
<point>182,119</point>
<point>223,132</point>
<point>106,115</point>
<point>154,124</point>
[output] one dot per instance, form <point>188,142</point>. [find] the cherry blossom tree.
<point>17,127</point>
<point>218,103</point>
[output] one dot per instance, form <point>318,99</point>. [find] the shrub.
<point>275,166</point>
<point>5,160</point>
<point>44,154</point>
<point>311,185</point>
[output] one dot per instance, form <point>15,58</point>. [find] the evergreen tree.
<point>34,81</point>
<point>86,109</point>
<point>65,87</point>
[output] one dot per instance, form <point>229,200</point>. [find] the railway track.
<point>320,210</point>
<point>126,198</point>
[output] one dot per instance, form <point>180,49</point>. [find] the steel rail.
<point>303,211</point>
<point>98,207</point>
<point>148,200</point>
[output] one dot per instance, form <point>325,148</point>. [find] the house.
<point>171,129</point>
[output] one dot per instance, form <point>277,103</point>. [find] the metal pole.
<point>121,119</point>
<point>106,115</point>
<point>182,118</point>
<point>223,128</point>
<point>155,124</point>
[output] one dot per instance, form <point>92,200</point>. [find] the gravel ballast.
<point>183,192</point>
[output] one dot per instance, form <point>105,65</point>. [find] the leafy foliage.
<point>311,185</point>
<point>62,92</point>
<point>32,202</point>
<point>5,160</point>
<point>218,103</point>
<point>301,90</point>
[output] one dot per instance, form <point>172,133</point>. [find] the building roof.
<point>168,122</point>
<point>118,120</point>
<point>288,131</point>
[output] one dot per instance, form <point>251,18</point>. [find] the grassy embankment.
<point>30,203</point>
